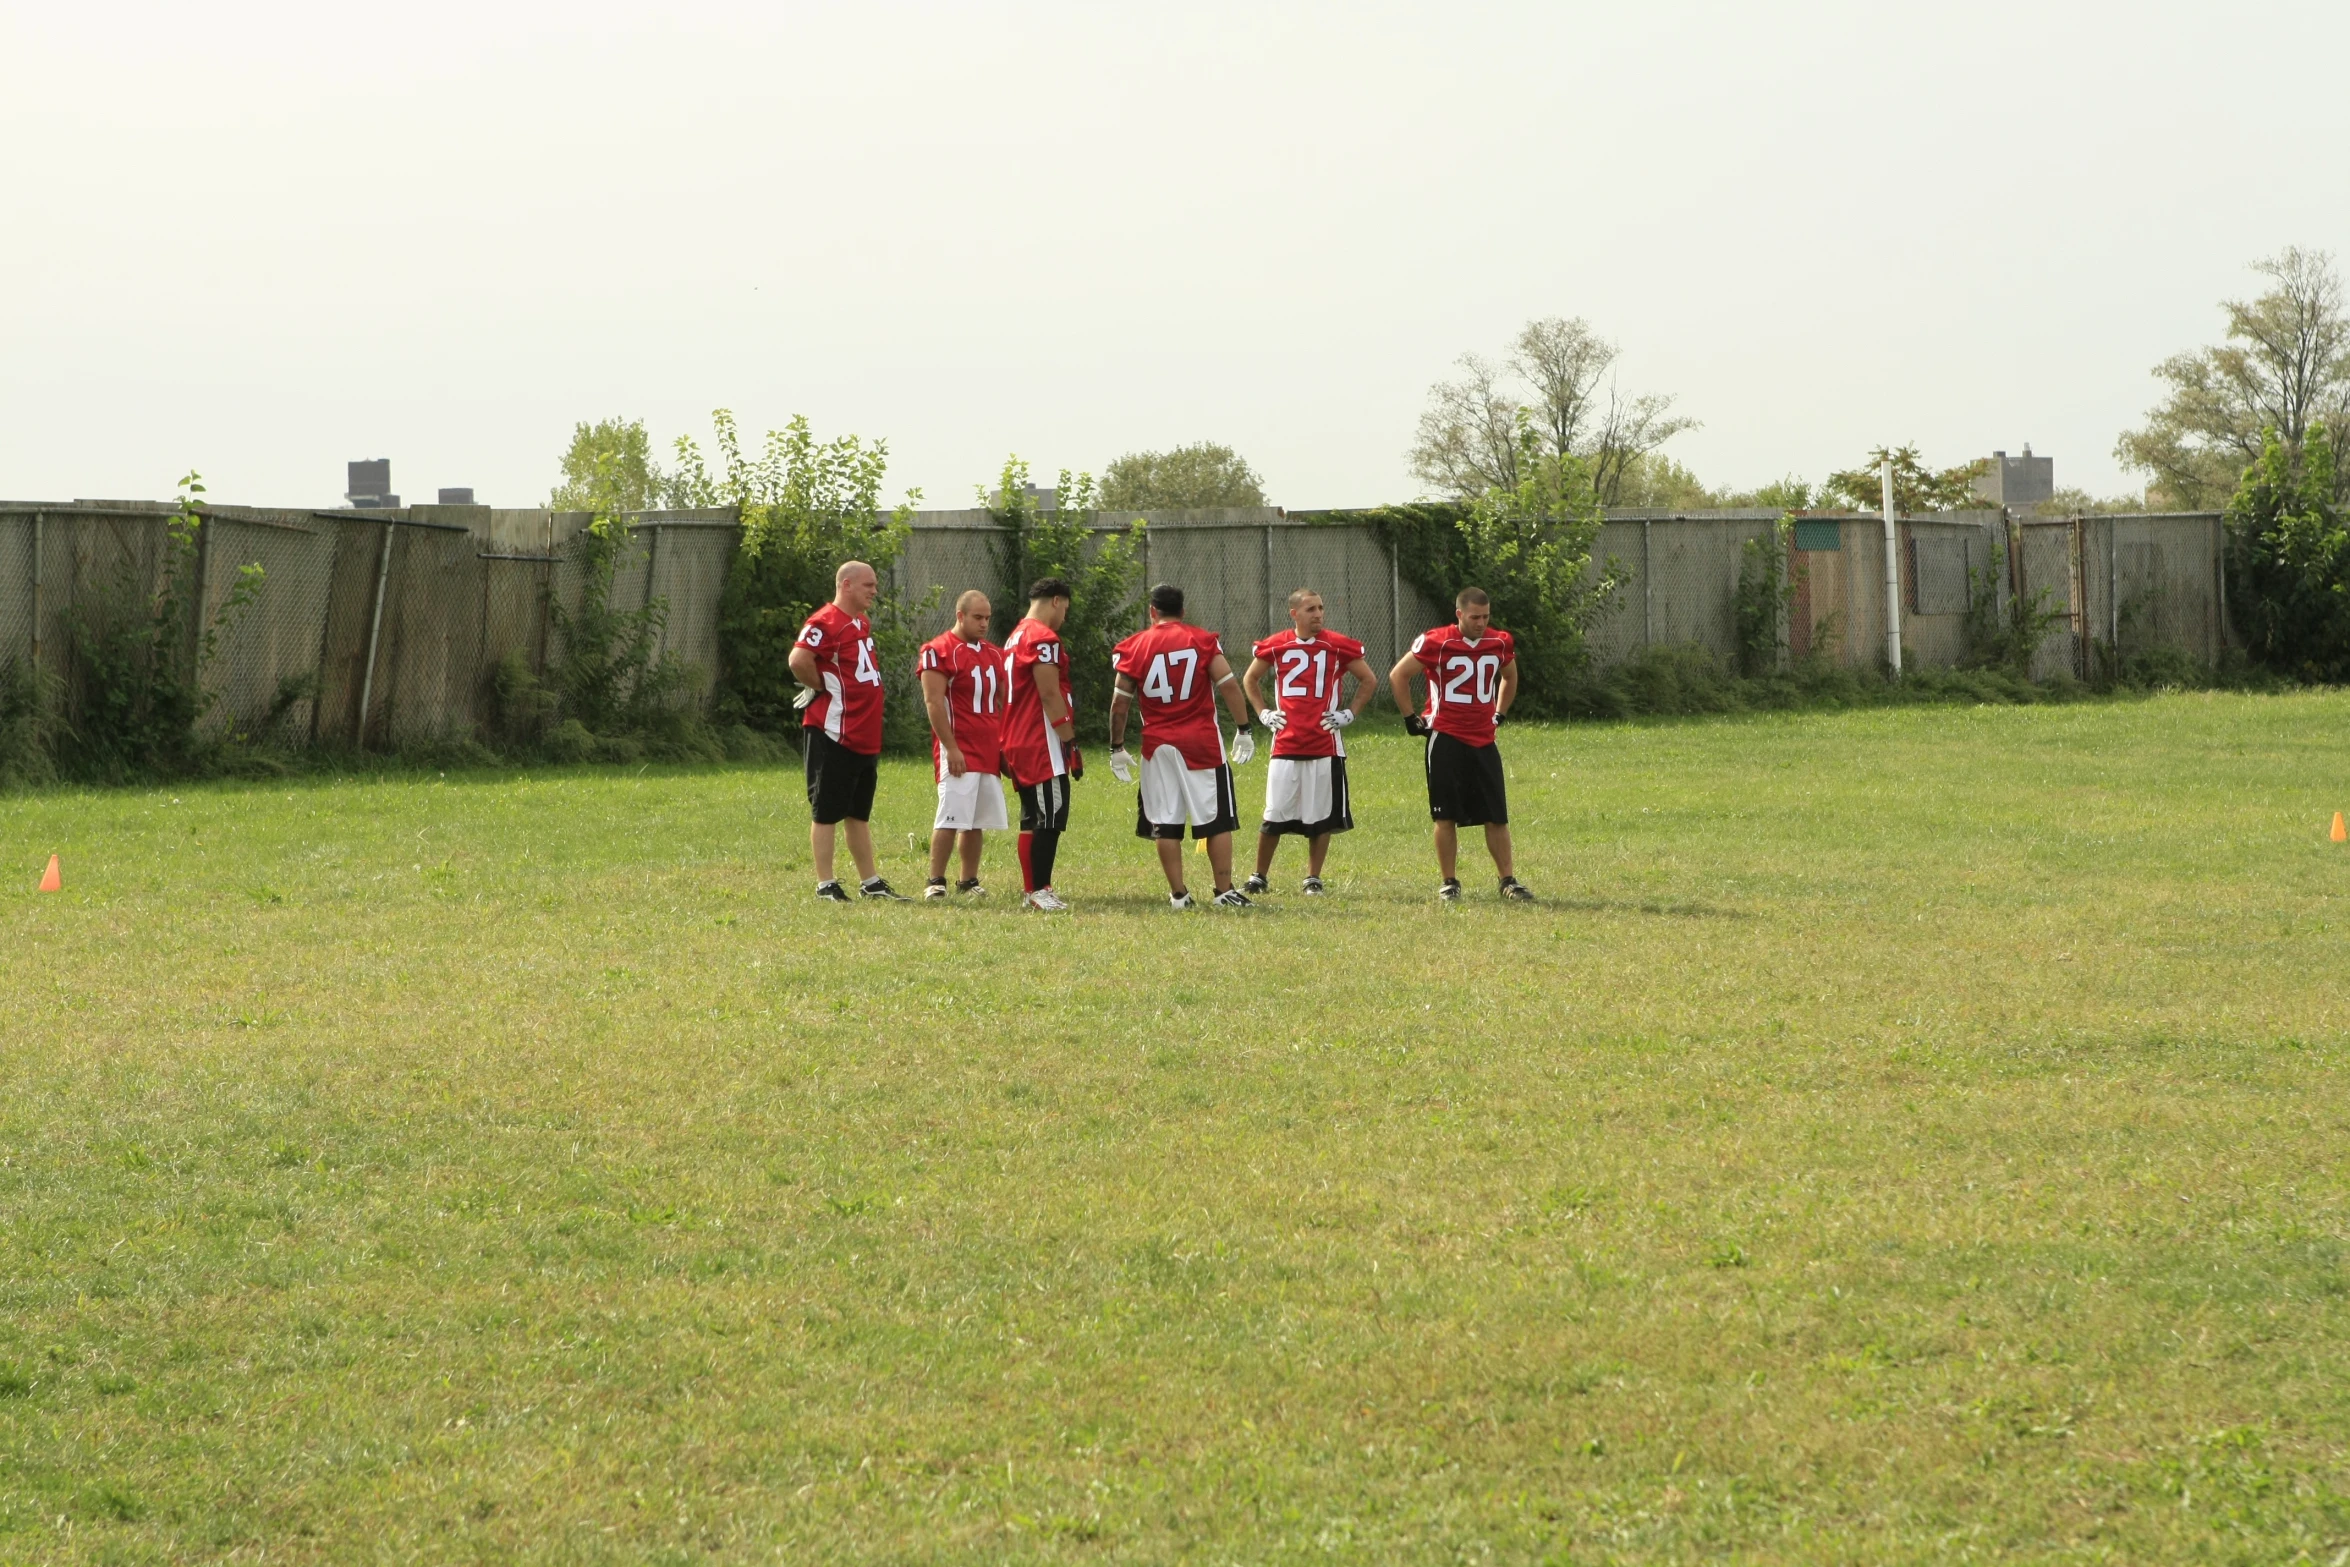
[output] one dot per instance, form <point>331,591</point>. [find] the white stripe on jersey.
<point>832,705</point>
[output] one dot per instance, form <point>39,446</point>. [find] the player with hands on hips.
<point>840,727</point>
<point>1305,782</point>
<point>1172,674</point>
<point>1471,668</point>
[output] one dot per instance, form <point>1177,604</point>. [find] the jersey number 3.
<point>1159,683</point>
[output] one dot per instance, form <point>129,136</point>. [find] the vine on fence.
<point>1759,606</point>
<point>1103,570</point>
<point>137,691</point>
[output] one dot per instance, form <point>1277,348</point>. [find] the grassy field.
<point>1909,1135</point>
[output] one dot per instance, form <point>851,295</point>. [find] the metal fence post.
<point>37,532</point>
<point>1394,604</point>
<point>375,628</point>
<point>1647,582</point>
<point>1267,601</point>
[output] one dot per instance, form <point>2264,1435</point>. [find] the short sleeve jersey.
<point>976,689</point>
<point>1305,684</point>
<point>1174,692</point>
<point>1464,679</point>
<point>1032,752</point>
<point>848,707</point>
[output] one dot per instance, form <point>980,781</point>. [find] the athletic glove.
<point>1338,718</point>
<point>1416,724</point>
<point>1121,765</point>
<point>1244,746</point>
<point>807,695</point>
<point>1076,765</point>
<point>1272,718</point>
<point>1498,716</point>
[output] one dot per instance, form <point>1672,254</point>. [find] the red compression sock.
<point>1027,867</point>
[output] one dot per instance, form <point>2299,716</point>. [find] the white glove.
<point>807,695</point>
<point>1338,718</point>
<point>1121,766</point>
<point>1272,718</point>
<point>1244,746</point>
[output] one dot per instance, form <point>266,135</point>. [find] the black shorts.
<point>840,781</point>
<point>1044,807</point>
<point>1465,784</point>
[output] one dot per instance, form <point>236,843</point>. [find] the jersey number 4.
<point>1159,684</point>
<point>1460,671</point>
<point>868,672</point>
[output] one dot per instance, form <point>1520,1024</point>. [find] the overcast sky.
<point>262,240</point>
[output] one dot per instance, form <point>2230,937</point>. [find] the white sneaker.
<point>1180,901</point>
<point>1313,887</point>
<point>1255,885</point>
<point>936,888</point>
<point>1044,901</point>
<point>1233,898</point>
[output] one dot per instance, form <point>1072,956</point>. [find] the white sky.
<point>262,240</point>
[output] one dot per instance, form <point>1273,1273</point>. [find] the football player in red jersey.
<point>1173,672</point>
<point>963,689</point>
<point>841,732</point>
<point>1305,783</point>
<point>1040,734</point>
<point>1472,672</point>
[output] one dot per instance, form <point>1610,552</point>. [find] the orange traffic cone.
<point>2340,835</point>
<point>52,879</point>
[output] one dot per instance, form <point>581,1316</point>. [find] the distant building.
<point>2017,483</point>
<point>371,485</point>
<point>457,497</point>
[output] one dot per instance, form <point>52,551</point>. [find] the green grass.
<point>1908,1135</point>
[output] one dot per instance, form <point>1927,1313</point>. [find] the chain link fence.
<point>380,628</point>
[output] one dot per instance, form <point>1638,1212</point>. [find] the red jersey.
<point>1464,679</point>
<point>1176,695</point>
<point>848,708</point>
<point>1032,752</point>
<point>976,691</point>
<point>1305,683</point>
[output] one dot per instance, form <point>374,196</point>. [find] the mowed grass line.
<point>1907,1135</point>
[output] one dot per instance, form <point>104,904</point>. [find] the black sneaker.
<point>1515,891</point>
<point>877,888</point>
<point>1233,898</point>
<point>1312,887</point>
<point>830,892</point>
<point>1450,892</point>
<point>971,888</point>
<point>936,887</point>
<point>1254,886</point>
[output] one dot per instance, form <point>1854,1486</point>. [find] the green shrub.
<point>28,726</point>
<point>1759,604</point>
<point>2289,561</point>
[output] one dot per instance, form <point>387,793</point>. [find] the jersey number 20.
<point>1460,671</point>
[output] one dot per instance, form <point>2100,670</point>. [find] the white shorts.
<point>1174,792</point>
<point>1307,794</point>
<point>971,803</point>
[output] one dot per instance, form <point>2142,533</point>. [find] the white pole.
<point>1892,574</point>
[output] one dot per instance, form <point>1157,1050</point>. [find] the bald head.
<point>972,613</point>
<point>855,587</point>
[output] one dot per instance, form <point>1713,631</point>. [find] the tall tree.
<point>608,465</point>
<point>2285,367</point>
<point>1205,473</point>
<point>1917,488</point>
<point>1561,375</point>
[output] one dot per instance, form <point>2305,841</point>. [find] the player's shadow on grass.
<point>1679,911</point>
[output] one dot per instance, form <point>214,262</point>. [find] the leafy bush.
<point>28,726</point>
<point>1103,570</point>
<point>806,507</point>
<point>2289,562</point>
<point>1759,605</point>
<point>2004,640</point>
<point>137,691</point>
